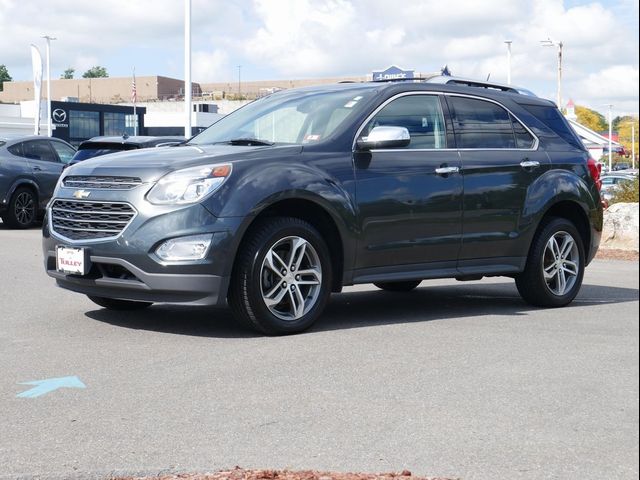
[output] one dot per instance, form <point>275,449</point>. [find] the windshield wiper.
<point>250,142</point>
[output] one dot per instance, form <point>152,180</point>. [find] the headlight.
<point>189,185</point>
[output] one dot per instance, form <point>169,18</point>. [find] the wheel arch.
<point>318,213</point>
<point>564,194</point>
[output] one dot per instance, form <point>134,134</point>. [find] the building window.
<point>115,124</point>
<point>83,125</point>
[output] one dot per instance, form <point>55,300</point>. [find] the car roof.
<point>433,84</point>
<point>12,140</point>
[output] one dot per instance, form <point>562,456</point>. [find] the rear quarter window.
<point>554,120</point>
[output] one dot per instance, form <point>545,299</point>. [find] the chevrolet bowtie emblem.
<point>80,194</point>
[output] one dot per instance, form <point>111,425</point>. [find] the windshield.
<point>290,117</point>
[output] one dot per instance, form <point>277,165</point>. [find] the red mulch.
<point>614,254</point>
<point>242,474</point>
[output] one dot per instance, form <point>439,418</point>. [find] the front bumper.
<point>127,268</point>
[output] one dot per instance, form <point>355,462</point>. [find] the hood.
<point>150,164</point>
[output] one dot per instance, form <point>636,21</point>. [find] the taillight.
<point>594,171</point>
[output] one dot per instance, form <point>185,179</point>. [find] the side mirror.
<point>385,137</point>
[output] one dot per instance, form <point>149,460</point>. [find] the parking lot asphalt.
<point>454,379</point>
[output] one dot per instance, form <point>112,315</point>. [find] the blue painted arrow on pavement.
<point>43,387</point>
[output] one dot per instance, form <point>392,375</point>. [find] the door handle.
<point>37,169</point>
<point>447,170</point>
<point>526,163</point>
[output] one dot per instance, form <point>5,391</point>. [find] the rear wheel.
<point>116,304</point>
<point>398,286</point>
<point>282,278</point>
<point>23,209</point>
<point>555,267</point>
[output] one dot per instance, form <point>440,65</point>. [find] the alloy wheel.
<point>24,208</point>
<point>291,278</point>
<point>561,263</point>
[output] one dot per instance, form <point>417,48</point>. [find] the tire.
<point>263,274</point>
<point>120,305</point>
<point>540,284</point>
<point>23,209</point>
<point>406,286</point>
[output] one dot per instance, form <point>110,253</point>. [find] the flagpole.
<point>135,99</point>
<point>187,68</point>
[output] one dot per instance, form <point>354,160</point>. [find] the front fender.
<point>259,188</point>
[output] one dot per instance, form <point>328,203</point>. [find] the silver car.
<point>29,171</point>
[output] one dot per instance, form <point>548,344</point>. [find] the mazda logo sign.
<point>59,115</point>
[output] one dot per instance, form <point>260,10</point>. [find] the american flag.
<point>134,93</point>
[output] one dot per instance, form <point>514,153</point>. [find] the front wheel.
<point>282,277</point>
<point>115,304</point>
<point>555,267</point>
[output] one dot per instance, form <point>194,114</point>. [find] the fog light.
<point>193,247</point>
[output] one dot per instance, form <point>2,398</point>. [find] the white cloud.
<point>307,38</point>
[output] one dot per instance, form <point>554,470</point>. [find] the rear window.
<point>93,152</point>
<point>553,119</point>
<point>97,149</point>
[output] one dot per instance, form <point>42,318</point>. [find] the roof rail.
<point>465,82</point>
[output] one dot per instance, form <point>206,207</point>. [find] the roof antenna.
<point>488,77</point>
<point>444,71</point>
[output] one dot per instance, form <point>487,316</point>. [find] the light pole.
<point>508,42</point>
<point>610,133</point>
<point>187,68</point>
<point>239,90</point>
<point>550,43</point>
<point>48,55</point>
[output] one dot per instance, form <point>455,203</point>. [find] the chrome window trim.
<point>534,148</point>
<point>58,236</point>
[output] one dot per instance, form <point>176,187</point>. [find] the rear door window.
<point>39,150</point>
<point>481,124</point>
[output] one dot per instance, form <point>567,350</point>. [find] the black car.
<point>307,190</point>
<point>29,169</point>
<point>98,146</point>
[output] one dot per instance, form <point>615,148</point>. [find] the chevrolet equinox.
<point>300,193</point>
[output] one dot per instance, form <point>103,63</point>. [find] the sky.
<point>294,39</point>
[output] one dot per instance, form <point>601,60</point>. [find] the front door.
<point>409,208</point>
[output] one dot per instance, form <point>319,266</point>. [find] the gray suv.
<point>29,170</point>
<point>305,191</point>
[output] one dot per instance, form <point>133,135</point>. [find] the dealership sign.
<point>393,73</point>
<point>59,117</point>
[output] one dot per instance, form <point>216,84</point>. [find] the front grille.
<point>101,182</point>
<point>78,220</point>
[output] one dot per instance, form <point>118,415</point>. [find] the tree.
<point>591,119</point>
<point>96,72</point>
<point>68,73</point>
<point>4,75</point>
<point>623,127</point>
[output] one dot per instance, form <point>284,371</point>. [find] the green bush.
<point>626,192</point>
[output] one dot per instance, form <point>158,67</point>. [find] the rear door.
<point>500,161</point>
<point>409,213</point>
<point>45,166</point>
